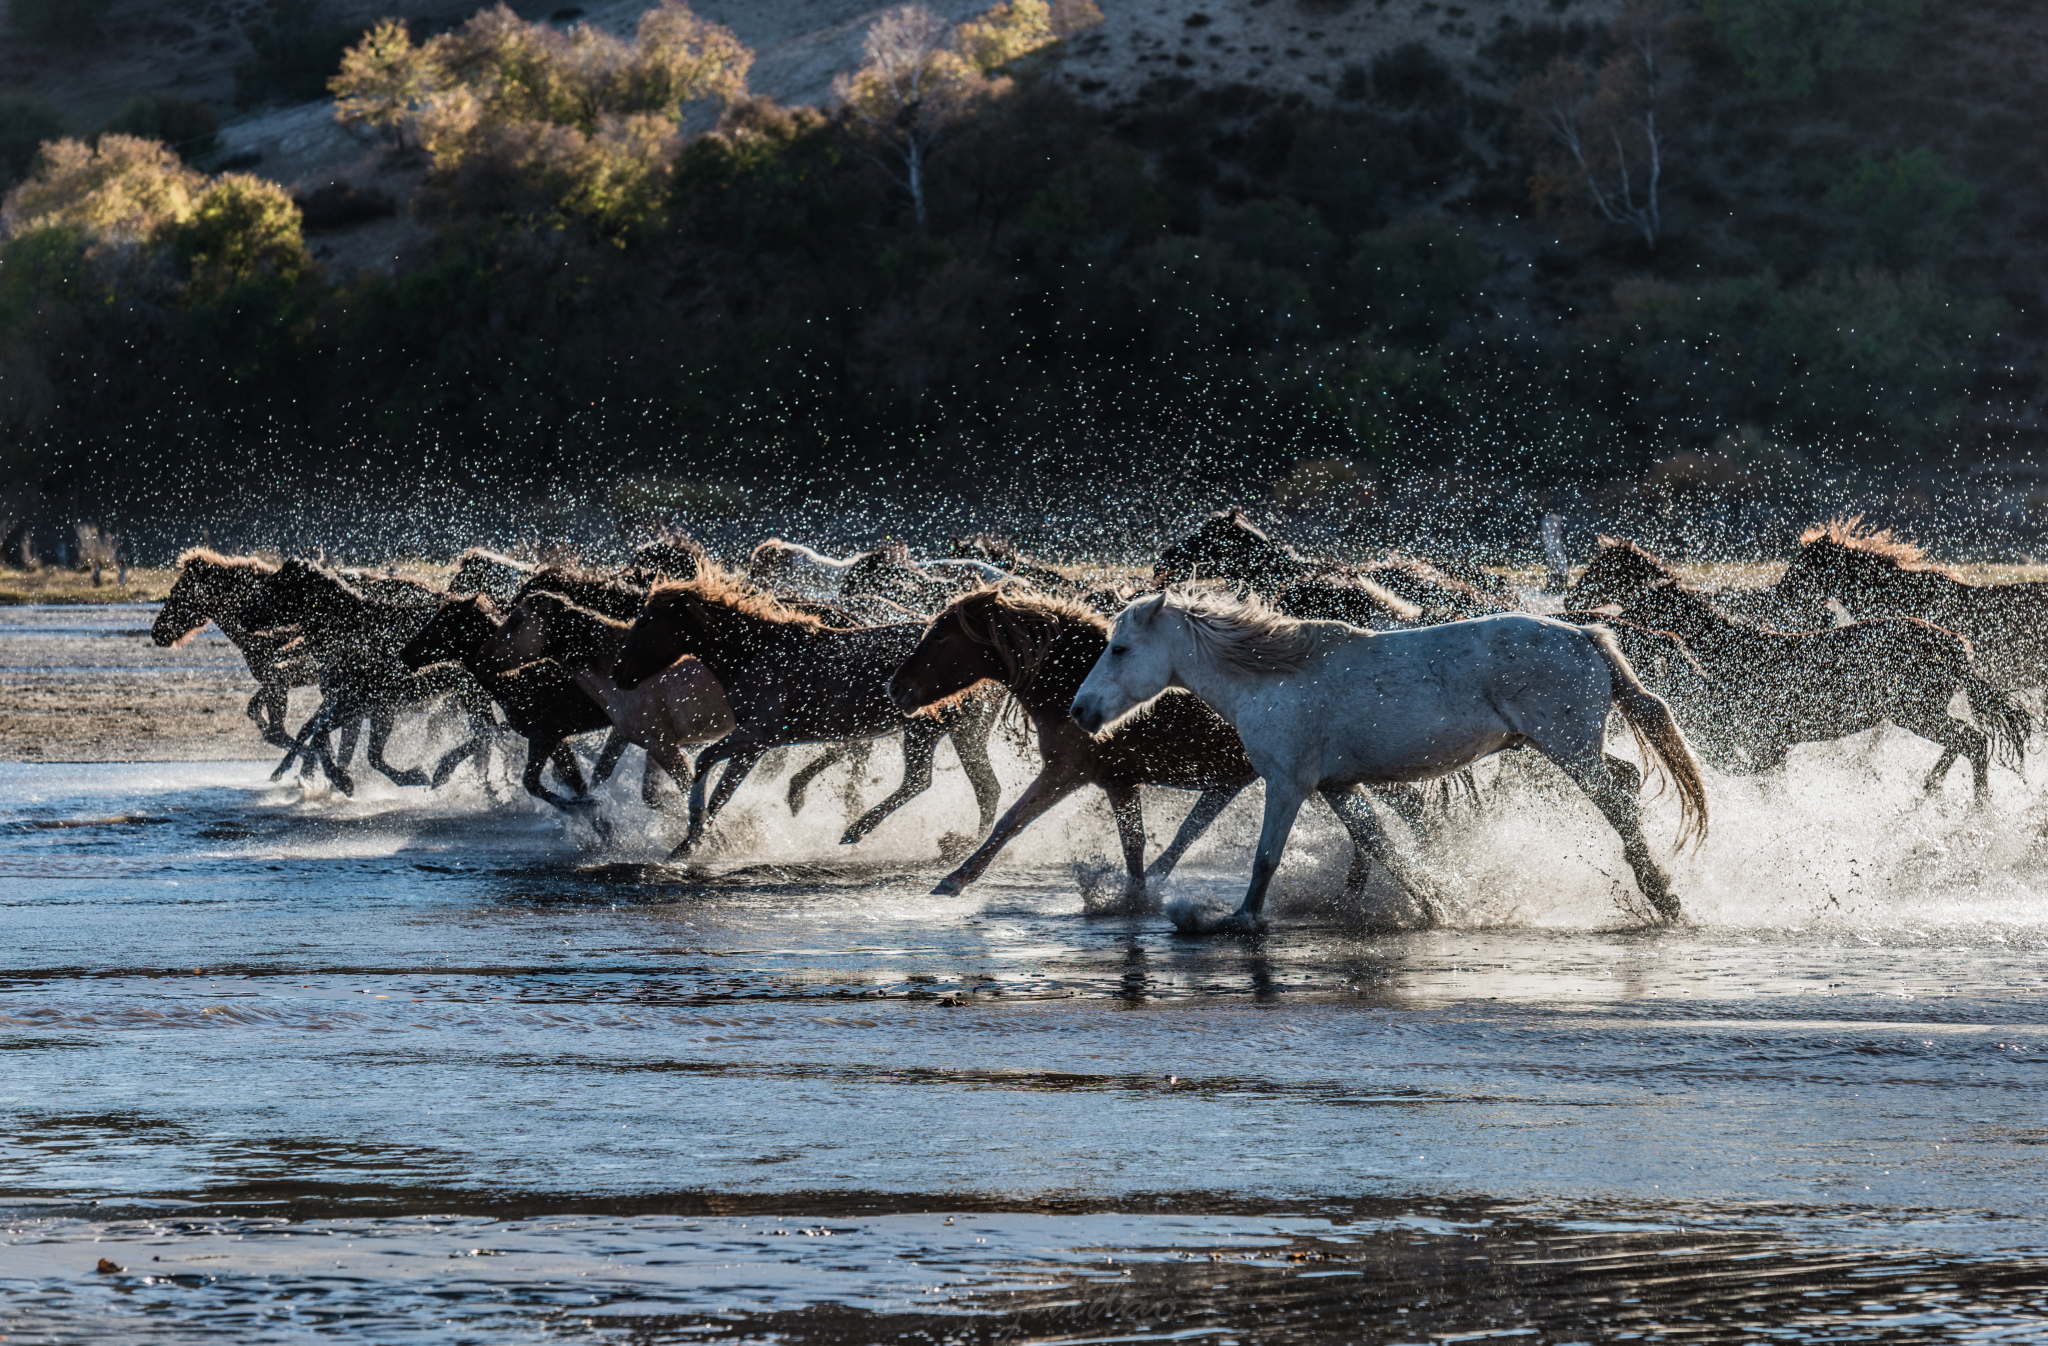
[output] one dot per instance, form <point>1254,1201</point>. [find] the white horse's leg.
<point>1208,808</point>
<point>1591,774</point>
<point>1372,841</point>
<point>1283,802</point>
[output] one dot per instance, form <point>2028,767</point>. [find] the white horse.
<point>1326,706</point>
<point>792,568</point>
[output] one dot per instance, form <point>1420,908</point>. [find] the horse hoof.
<point>950,886</point>
<point>1193,919</point>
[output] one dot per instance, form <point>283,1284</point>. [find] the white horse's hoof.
<point>1205,918</point>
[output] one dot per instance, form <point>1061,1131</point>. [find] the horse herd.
<point>1239,660</point>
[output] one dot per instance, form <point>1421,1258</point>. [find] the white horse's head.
<point>1137,666</point>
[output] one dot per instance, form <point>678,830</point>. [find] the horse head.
<point>457,631</point>
<point>1619,572</point>
<point>1228,546</point>
<point>297,590</point>
<point>1136,666</point>
<point>187,608</point>
<point>670,626</point>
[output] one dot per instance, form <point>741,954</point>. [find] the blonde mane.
<point>212,557</point>
<point>1242,634</point>
<point>719,587</point>
<point>1852,533</point>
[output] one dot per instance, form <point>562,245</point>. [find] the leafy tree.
<point>1601,129</point>
<point>1408,278</point>
<point>384,80</point>
<point>122,190</point>
<point>242,227</point>
<point>1787,45</point>
<point>1908,206</point>
<point>913,88</point>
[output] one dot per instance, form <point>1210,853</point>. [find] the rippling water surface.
<point>452,1069</point>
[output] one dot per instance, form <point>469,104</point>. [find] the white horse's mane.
<point>781,549</point>
<point>1241,633</point>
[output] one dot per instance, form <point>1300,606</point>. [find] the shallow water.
<point>418,1067</point>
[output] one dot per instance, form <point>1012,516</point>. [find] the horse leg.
<point>1592,775</point>
<point>1209,806</point>
<point>970,735</point>
<point>1370,842</point>
<point>1283,802</point>
<point>337,770</point>
<point>315,724</point>
<point>615,745</point>
<point>539,751</point>
<point>1051,786</point>
<point>453,758</point>
<point>920,742</point>
<point>382,721</point>
<point>568,770</point>
<point>351,730</point>
<point>1956,739</point>
<point>1125,806</point>
<point>267,709</point>
<point>800,781</point>
<point>736,771</point>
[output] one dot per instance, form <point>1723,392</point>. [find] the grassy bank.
<point>52,584</point>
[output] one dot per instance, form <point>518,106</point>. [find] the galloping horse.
<point>1767,690</point>
<point>212,588</point>
<point>1322,706</point>
<point>791,679</point>
<point>1874,574</point>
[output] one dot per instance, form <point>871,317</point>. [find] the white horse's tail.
<point>1657,733</point>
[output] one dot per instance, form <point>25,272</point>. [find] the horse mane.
<point>1008,610</point>
<point>1241,633</point>
<point>489,557</point>
<point>1635,551</point>
<point>214,558</point>
<point>1851,534</point>
<point>715,586</point>
<point>783,547</point>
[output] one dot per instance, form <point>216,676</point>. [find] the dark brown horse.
<point>356,639</point>
<point>888,572</point>
<point>1767,690</point>
<point>1041,649</point>
<point>1871,573</point>
<point>481,571</point>
<point>540,698</point>
<point>1231,548</point>
<point>212,588</point>
<point>791,679</point>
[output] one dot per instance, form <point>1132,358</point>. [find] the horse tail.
<point>1657,733</point>
<point>2003,717</point>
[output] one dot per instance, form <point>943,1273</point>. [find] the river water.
<point>445,1067</point>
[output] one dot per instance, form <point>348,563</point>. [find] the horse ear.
<point>1149,610</point>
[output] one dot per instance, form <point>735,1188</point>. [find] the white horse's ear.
<point>1150,609</point>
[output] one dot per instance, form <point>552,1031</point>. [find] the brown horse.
<point>1767,690</point>
<point>212,588</point>
<point>1041,648</point>
<point>356,639</point>
<point>791,679</point>
<point>1872,573</point>
<point>540,699</point>
<point>481,571</point>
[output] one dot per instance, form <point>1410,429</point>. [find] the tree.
<point>122,190</point>
<point>913,88</point>
<point>1601,129</point>
<point>242,226</point>
<point>1788,44</point>
<point>384,80</point>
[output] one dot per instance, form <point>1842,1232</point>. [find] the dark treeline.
<point>1439,269</point>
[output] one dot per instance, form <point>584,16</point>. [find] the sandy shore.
<point>86,684</point>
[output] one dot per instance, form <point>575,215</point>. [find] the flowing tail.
<point>2002,717</point>
<point>1657,733</point>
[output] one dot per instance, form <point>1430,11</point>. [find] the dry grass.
<point>53,584</point>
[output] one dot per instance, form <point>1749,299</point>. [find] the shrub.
<point>188,126</point>
<point>1096,209</point>
<point>241,227</point>
<point>1281,233</point>
<point>1411,73</point>
<point>57,20</point>
<point>1787,45</point>
<point>1909,208</point>
<point>1413,277</point>
<point>1345,166</point>
<point>24,126</point>
<point>122,190</point>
